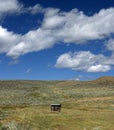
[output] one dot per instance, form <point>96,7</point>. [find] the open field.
<point>25,105</point>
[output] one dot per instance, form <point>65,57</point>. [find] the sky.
<point>56,39</point>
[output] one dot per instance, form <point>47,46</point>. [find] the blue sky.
<point>56,39</point>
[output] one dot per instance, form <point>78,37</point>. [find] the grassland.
<point>86,105</point>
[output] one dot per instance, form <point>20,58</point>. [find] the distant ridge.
<point>16,92</point>
<point>106,78</point>
<point>102,81</point>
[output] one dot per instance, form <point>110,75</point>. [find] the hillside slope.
<point>25,105</point>
<point>45,92</point>
<point>106,78</point>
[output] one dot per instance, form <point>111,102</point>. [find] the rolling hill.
<point>25,104</point>
<point>16,92</point>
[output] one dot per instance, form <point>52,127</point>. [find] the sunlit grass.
<point>85,106</point>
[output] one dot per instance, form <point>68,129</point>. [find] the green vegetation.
<point>25,105</point>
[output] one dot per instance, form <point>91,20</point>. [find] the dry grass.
<point>25,105</point>
<point>77,115</point>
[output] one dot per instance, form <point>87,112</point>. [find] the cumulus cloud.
<point>67,27</point>
<point>57,26</point>
<point>35,9</point>
<point>52,19</point>
<point>9,6</point>
<point>99,68</point>
<point>79,27</point>
<point>83,61</point>
<point>32,41</point>
<point>110,45</point>
<point>8,40</point>
<point>73,26</point>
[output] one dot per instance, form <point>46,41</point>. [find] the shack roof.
<point>55,104</point>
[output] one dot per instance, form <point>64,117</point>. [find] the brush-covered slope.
<point>25,105</point>
<point>106,78</point>
<point>29,92</point>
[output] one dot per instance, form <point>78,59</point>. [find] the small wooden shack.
<point>56,107</point>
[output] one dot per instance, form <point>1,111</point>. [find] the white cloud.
<point>83,61</point>
<point>35,9</point>
<point>74,26</point>
<point>14,6</point>
<point>28,71</point>
<point>57,26</point>
<point>66,27</point>
<point>8,40</point>
<point>99,68</point>
<point>110,45</point>
<point>9,6</point>
<point>32,41</point>
<point>77,79</point>
<point>52,20</point>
